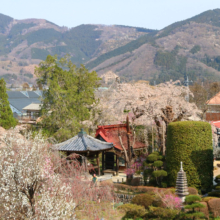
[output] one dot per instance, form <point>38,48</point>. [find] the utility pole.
<point>186,82</point>
<point>152,138</point>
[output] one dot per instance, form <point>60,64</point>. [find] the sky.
<point>153,14</point>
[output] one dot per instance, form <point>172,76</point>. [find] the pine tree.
<point>69,97</point>
<point>192,206</point>
<point>155,172</point>
<point>6,116</point>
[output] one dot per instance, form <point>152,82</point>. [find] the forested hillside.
<point>31,40</point>
<point>186,48</point>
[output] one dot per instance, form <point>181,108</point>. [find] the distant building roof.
<point>83,142</point>
<point>103,88</point>
<point>110,133</point>
<point>33,106</point>
<point>109,77</point>
<point>20,99</point>
<point>216,123</point>
<point>214,100</point>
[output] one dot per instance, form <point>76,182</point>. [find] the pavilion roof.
<point>83,142</point>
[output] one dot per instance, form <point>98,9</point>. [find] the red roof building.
<point>114,159</point>
<point>213,112</point>
<point>216,123</point>
<point>110,133</point>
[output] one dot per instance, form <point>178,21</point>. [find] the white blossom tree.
<point>36,183</point>
<point>28,186</point>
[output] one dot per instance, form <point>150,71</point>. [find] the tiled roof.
<point>214,100</point>
<point>110,133</point>
<point>21,99</point>
<point>20,103</point>
<point>83,142</point>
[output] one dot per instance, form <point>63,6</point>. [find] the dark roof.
<point>83,142</point>
<point>24,94</point>
<point>19,104</point>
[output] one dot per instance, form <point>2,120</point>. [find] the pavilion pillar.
<point>103,162</point>
<point>117,165</point>
<point>97,159</point>
<point>86,163</point>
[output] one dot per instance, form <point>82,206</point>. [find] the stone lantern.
<point>181,184</point>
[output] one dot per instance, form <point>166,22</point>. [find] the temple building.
<point>118,134</point>
<point>110,140</point>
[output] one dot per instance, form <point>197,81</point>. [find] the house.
<point>33,110</point>
<point>110,77</point>
<point>19,100</point>
<point>213,111</point>
<point>114,160</point>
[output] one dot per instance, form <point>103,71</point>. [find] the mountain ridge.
<point>189,47</point>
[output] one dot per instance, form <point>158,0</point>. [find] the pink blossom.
<point>172,201</point>
<point>129,171</point>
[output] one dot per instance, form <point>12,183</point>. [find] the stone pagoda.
<point>181,184</point>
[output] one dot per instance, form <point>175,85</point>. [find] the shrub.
<point>191,143</point>
<point>167,199</point>
<point>154,169</point>
<point>214,207</point>
<point>206,199</point>
<point>217,179</point>
<point>170,190</point>
<point>133,210</point>
<point>136,181</point>
<point>192,191</point>
<point>215,193</point>
<point>204,210</point>
<point>162,213</point>
<point>192,207</point>
<point>145,200</point>
<point>163,185</point>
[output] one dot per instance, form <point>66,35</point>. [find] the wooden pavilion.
<point>86,146</point>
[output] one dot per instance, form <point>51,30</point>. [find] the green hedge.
<point>191,143</point>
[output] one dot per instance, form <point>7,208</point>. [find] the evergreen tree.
<point>192,206</point>
<point>6,116</point>
<point>154,171</point>
<point>69,97</point>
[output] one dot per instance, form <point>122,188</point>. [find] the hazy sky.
<point>154,14</point>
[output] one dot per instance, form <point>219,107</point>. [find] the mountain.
<point>190,47</point>
<point>185,48</point>
<point>24,43</point>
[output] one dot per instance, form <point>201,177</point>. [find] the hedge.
<point>149,189</point>
<point>191,143</point>
<point>145,200</point>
